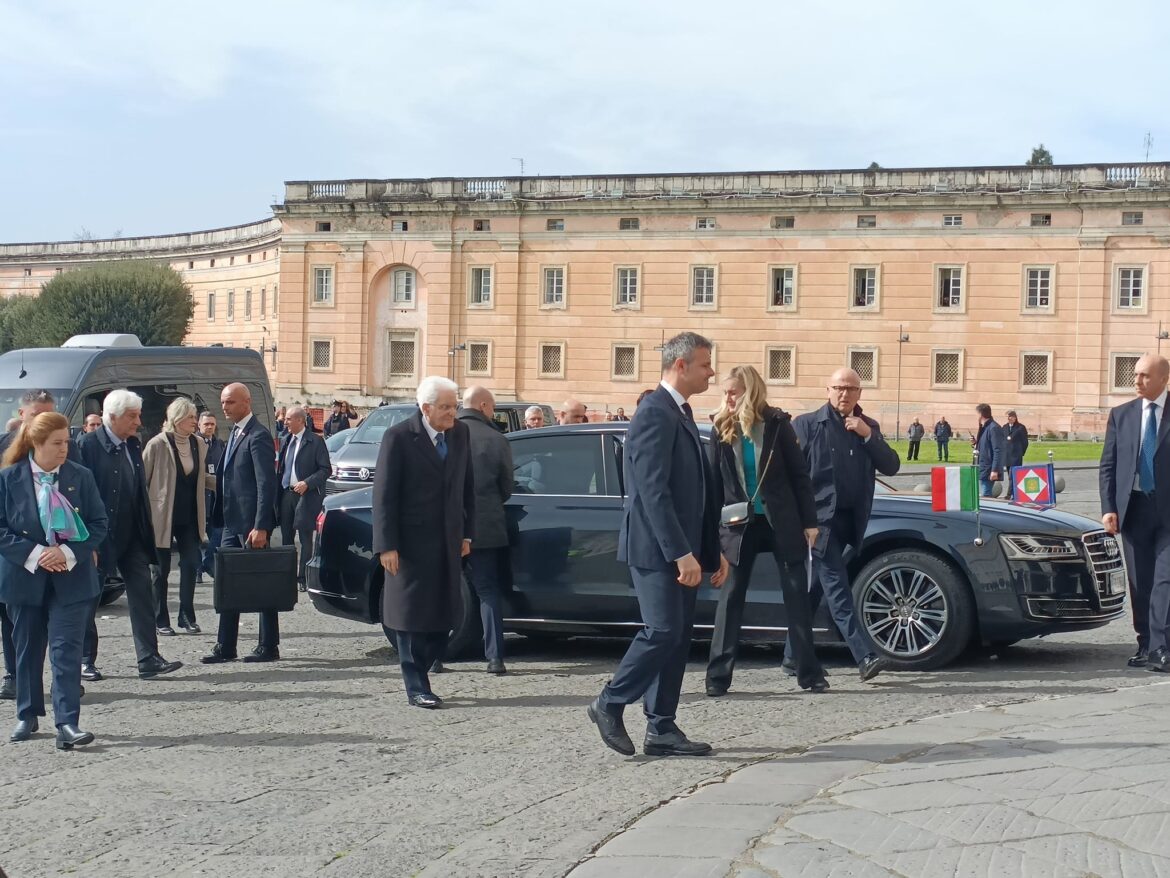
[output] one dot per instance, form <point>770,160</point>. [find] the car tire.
<point>466,638</point>
<point>915,608</point>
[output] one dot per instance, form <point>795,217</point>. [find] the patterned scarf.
<point>59,519</point>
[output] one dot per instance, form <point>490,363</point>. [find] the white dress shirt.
<point>678,398</point>
<point>290,459</point>
<point>238,431</point>
<point>431,431</point>
<point>31,564</point>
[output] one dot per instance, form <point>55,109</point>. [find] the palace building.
<point>1034,288</point>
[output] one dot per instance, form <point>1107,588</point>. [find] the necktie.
<point>289,461</point>
<point>688,411</point>
<point>231,444</point>
<point>1149,445</point>
<point>441,445</point>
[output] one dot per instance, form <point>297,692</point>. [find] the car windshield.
<point>339,439</point>
<point>377,422</point>
<point>10,401</point>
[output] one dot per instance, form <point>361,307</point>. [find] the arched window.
<point>402,286</point>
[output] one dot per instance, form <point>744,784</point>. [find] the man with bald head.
<point>491,466</point>
<point>1135,501</point>
<point>843,448</point>
<point>245,507</point>
<point>572,412</point>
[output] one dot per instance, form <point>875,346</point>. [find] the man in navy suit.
<point>1135,501</point>
<point>989,450</point>
<point>301,472</point>
<point>215,449</point>
<point>669,537</point>
<point>245,507</point>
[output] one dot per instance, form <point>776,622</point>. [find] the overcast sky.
<point>145,118</point>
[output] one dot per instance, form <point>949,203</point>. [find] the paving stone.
<point>862,832</point>
<point>651,867</point>
<point>754,790</point>
<point>967,861</point>
<point>1095,856</point>
<point>977,824</point>
<point>913,797</point>
<point>809,859</point>
<point>1144,832</point>
<point>678,842</point>
<point>704,815</point>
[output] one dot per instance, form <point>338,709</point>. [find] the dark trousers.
<point>229,623</point>
<point>757,538</point>
<point>9,644</point>
<point>417,650</point>
<point>186,538</point>
<point>985,486</point>
<point>656,660</point>
<point>288,511</point>
<point>134,568</point>
<point>831,583</point>
<point>944,449</point>
<point>912,450</point>
<point>1146,541</point>
<point>58,629</point>
<point>484,567</point>
<point>214,536</point>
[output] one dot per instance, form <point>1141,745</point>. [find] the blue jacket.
<point>245,498</point>
<point>989,445</point>
<point>21,531</point>
<point>668,514</point>
<point>105,461</point>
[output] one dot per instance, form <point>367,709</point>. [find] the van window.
<point>156,398</point>
<point>369,431</point>
<point>10,402</point>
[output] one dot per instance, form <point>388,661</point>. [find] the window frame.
<point>779,382</point>
<point>403,223</point>
<point>1040,221</point>
<point>952,225</point>
<point>692,274</point>
<point>1118,268</point>
<point>962,368</point>
<point>314,340</point>
<point>472,286</point>
<point>331,300</point>
<point>782,222</point>
<point>481,224</point>
<point>1034,388</point>
<point>212,295</point>
<point>1050,308</point>
<point>770,287</point>
<point>1132,218</point>
<point>404,271</point>
<point>545,305</point>
<point>613,373</point>
<point>629,224</point>
<point>867,220</point>
<point>861,349</point>
<point>230,310</point>
<point>876,306</point>
<point>554,224</point>
<point>939,268</point>
<point>705,224</point>
<point>248,304</point>
<point>551,343</point>
<point>485,373</point>
<point>1114,356</point>
<point>323,227</point>
<point>618,305</point>
<point>400,335</point>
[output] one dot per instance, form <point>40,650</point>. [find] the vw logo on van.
<point>364,474</point>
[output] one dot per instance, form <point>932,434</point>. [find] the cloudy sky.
<point>145,118</point>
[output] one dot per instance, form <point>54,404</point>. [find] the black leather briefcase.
<point>255,580</point>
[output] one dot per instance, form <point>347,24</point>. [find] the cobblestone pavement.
<point>316,764</point>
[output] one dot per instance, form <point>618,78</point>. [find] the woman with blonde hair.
<point>768,507</point>
<point>175,465</point>
<point>52,521</point>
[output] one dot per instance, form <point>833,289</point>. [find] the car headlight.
<point>1034,547</point>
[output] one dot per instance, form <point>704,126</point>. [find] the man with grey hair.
<point>114,455</point>
<point>301,471</point>
<point>424,520</point>
<point>533,417</point>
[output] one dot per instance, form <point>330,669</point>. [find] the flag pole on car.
<point>956,489</point>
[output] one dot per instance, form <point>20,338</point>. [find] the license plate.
<point>1116,583</point>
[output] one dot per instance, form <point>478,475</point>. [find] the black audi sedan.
<point>927,584</point>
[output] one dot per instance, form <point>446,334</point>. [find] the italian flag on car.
<point>954,489</point>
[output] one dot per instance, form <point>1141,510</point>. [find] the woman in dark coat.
<point>52,522</point>
<point>762,465</point>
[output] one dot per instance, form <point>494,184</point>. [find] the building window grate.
<point>946,369</point>
<point>322,354</point>
<point>625,361</point>
<point>1035,370</point>
<point>551,360</point>
<point>864,363</point>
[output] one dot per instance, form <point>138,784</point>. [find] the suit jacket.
<point>942,431</point>
<point>21,531</point>
<point>785,487</point>
<point>245,498</point>
<point>1015,444</point>
<point>989,445</point>
<point>106,461</point>
<point>312,468</point>
<point>820,435</point>
<point>215,450</point>
<point>1119,460</point>
<point>424,508</point>
<point>673,496</point>
<point>491,461</point>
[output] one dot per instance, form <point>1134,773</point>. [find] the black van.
<point>82,371</point>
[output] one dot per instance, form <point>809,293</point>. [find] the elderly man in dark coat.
<point>424,521</point>
<point>491,457</point>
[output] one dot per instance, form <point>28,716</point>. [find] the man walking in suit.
<point>988,450</point>
<point>1135,501</point>
<point>424,522</point>
<point>301,472</point>
<point>844,448</point>
<point>114,455</point>
<point>245,507</point>
<point>669,537</point>
<point>215,450</point>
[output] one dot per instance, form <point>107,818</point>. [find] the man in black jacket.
<point>301,472</point>
<point>988,450</point>
<point>114,455</point>
<point>215,449</point>
<point>843,448</point>
<point>337,421</point>
<point>1015,446</point>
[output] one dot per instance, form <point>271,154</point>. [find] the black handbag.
<point>255,580</point>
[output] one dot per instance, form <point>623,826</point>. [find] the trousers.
<point>186,537</point>
<point>58,629</point>
<point>134,568</point>
<point>417,650</point>
<point>484,569</point>
<point>229,623</point>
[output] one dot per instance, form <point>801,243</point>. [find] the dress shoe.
<point>1159,661</point>
<point>218,656</point>
<point>612,729</point>
<point>24,730</point>
<point>819,687</point>
<point>674,743</point>
<point>300,584</point>
<point>190,627</point>
<point>69,736</point>
<point>1139,658</point>
<point>788,667</point>
<point>437,667</point>
<point>155,666</point>
<point>8,689</point>
<point>428,702</point>
<point>263,654</point>
<point>199,578</point>
<point>714,691</point>
<point>91,673</point>
<point>496,666</point>
<point>871,666</point>
<point>166,631</point>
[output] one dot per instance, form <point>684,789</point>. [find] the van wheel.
<point>467,637</point>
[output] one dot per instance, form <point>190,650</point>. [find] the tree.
<point>148,300</point>
<point>874,166</point>
<point>1040,156</point>
<point>19,326</point>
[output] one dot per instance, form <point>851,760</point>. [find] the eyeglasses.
<point>845,388</point>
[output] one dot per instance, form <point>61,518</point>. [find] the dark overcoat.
<point>491,459</point>
<point>106,461</point>
<point>423,508</point>
<point>989,445</point>
<point>313,468</point>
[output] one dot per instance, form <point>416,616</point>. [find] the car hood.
<point>998,514</point>
<point>356,454</point>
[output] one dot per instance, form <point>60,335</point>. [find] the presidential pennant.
<point>954,489</point>
<point>1034,484</point>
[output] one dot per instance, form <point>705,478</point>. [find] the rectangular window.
<point>324,226</point>
<point>867,221</point>
<point>702,286</point>
<point>481,286</point>
<point>552,360</point>
<point>231,260</point>
<point>211,263</point>
<point>554,225</point>
<point>400,355</point>
<point>190,264</point>
<point>784,222</point>
<point>780,364</point>
<point>782,288</point>
<point>322,286</point>
<point>399,226</point>
<point>946,369</point>
<point>1036,371</point>
<point>627,287</point>
<point>864,292</point>
<point>1038,289</point>
<point>1131,289</point>
<point>249,257</point>
<point>950,289</point>
<point>628,224</point>
<point>951,220</point>
<point>863,361</point>
<point>1132,218</point>
<point>402,281</point>
<point>210,307</point>
<point>231,305</point>
<point>1122,372</point>
<point>263,302</point>
<point>321,351</point>
<point>1041,219</point>
<point>554,287</point>
<point>625,362</point>
<point>247,304</point>
<point>705,222</point>
<point>275,297</point>
<point>479,358</point>
<point>481,225</point>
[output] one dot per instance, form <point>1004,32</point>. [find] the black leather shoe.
<point>788,667</point>
<point>496,666</point>
<point>300,584</point>
<point>81,692</point>
<point>612,729</point>
<point>69,736</point>
<point>714,691</point>
<point>1139,659</point>
<point>260,654</point>
<point>156,666</point>
<point>8,689</point>
<point>218,656</point>
<point>871,666</point>
<point>819,687</point>
<point>24,730</point>
<point>91,673</point>
<point>437,667</point>
<point>674,744</point>
<point>166,631</point>
<point>191,628</point>
<point>1159,660</point>
<point>427,702</point>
